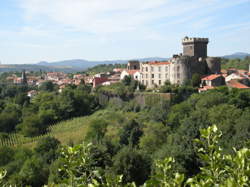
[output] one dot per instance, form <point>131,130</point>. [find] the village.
<point>233,78</point>
<point>178,70</point>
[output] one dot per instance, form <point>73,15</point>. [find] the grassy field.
<point>70,131</point>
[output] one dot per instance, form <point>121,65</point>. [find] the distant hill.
<point>76,65</point>
<point>239,55</point>
<point>29,67</point>
<point>67,66</point>
<point>81,64</point>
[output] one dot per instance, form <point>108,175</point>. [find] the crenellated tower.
<point>196,47</point>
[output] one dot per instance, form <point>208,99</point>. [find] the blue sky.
<point>51,30</point>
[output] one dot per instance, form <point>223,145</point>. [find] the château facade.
<point>180,68</point>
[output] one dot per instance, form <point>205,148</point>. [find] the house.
<point>118,70</point>
<point>135,74</point>
<point>234,76</point>
<point>100,75</point>
<point>78,76</point>
<point>213,80</point>
<point>98,81</point>
<point>236,84</point>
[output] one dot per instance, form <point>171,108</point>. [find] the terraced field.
<point>67,131</point>
<point>71,131</point>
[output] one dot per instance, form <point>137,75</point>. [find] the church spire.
<point>24,78</point>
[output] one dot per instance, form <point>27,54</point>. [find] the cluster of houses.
<point>58,78</point>
<point>233,78</point>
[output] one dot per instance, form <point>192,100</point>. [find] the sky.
<point>54,30</point>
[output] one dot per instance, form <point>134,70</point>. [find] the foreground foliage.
<point>218,169</point>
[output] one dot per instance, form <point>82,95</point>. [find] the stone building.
<point>181,68</point>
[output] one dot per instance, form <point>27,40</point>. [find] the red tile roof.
<point>132,72</point>
<point>99,80</point>
<point>236,84</point>
<point>159,63</point>
<point>211,77</point>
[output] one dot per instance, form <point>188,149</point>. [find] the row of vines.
<point>15,139</point>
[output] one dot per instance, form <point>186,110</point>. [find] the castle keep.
<point>181,67</point>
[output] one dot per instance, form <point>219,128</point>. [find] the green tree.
<point>47,149</point>
<point>47,86</point>
<point>133,165</point>
<point>34,172</point>
<point>155,134</point>
<point>130,133</point>
<point>196,80</point>
<point>6,155</point>
<point>97,130</point>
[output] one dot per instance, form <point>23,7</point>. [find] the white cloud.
<point>109,16</point>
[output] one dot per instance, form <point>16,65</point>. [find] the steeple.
<point>24,78</point>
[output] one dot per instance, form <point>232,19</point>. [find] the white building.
<point>135,74</point>
<point>154,73</point>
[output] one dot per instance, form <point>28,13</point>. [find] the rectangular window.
<point>146,83</point>
<point>152,76</point>
<point>142,81</point>
<point>178,68</point>
<point>146,68</point>
<point>178,75</point>
<point>166,68</point>
<point>166,75</point>
<point>153,82</point>
<point>159,76</point>
<point>159,68</point>
<point>152,68</point>
<point>142,76</point>
<point>159,82</point>
<point>146,76</point>
<point>142,68</point>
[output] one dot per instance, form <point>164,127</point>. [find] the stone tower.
<point>24,78</point>
<point>196,47</point>
<point>133,65</point>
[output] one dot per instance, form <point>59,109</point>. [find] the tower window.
<point>152,76</point>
